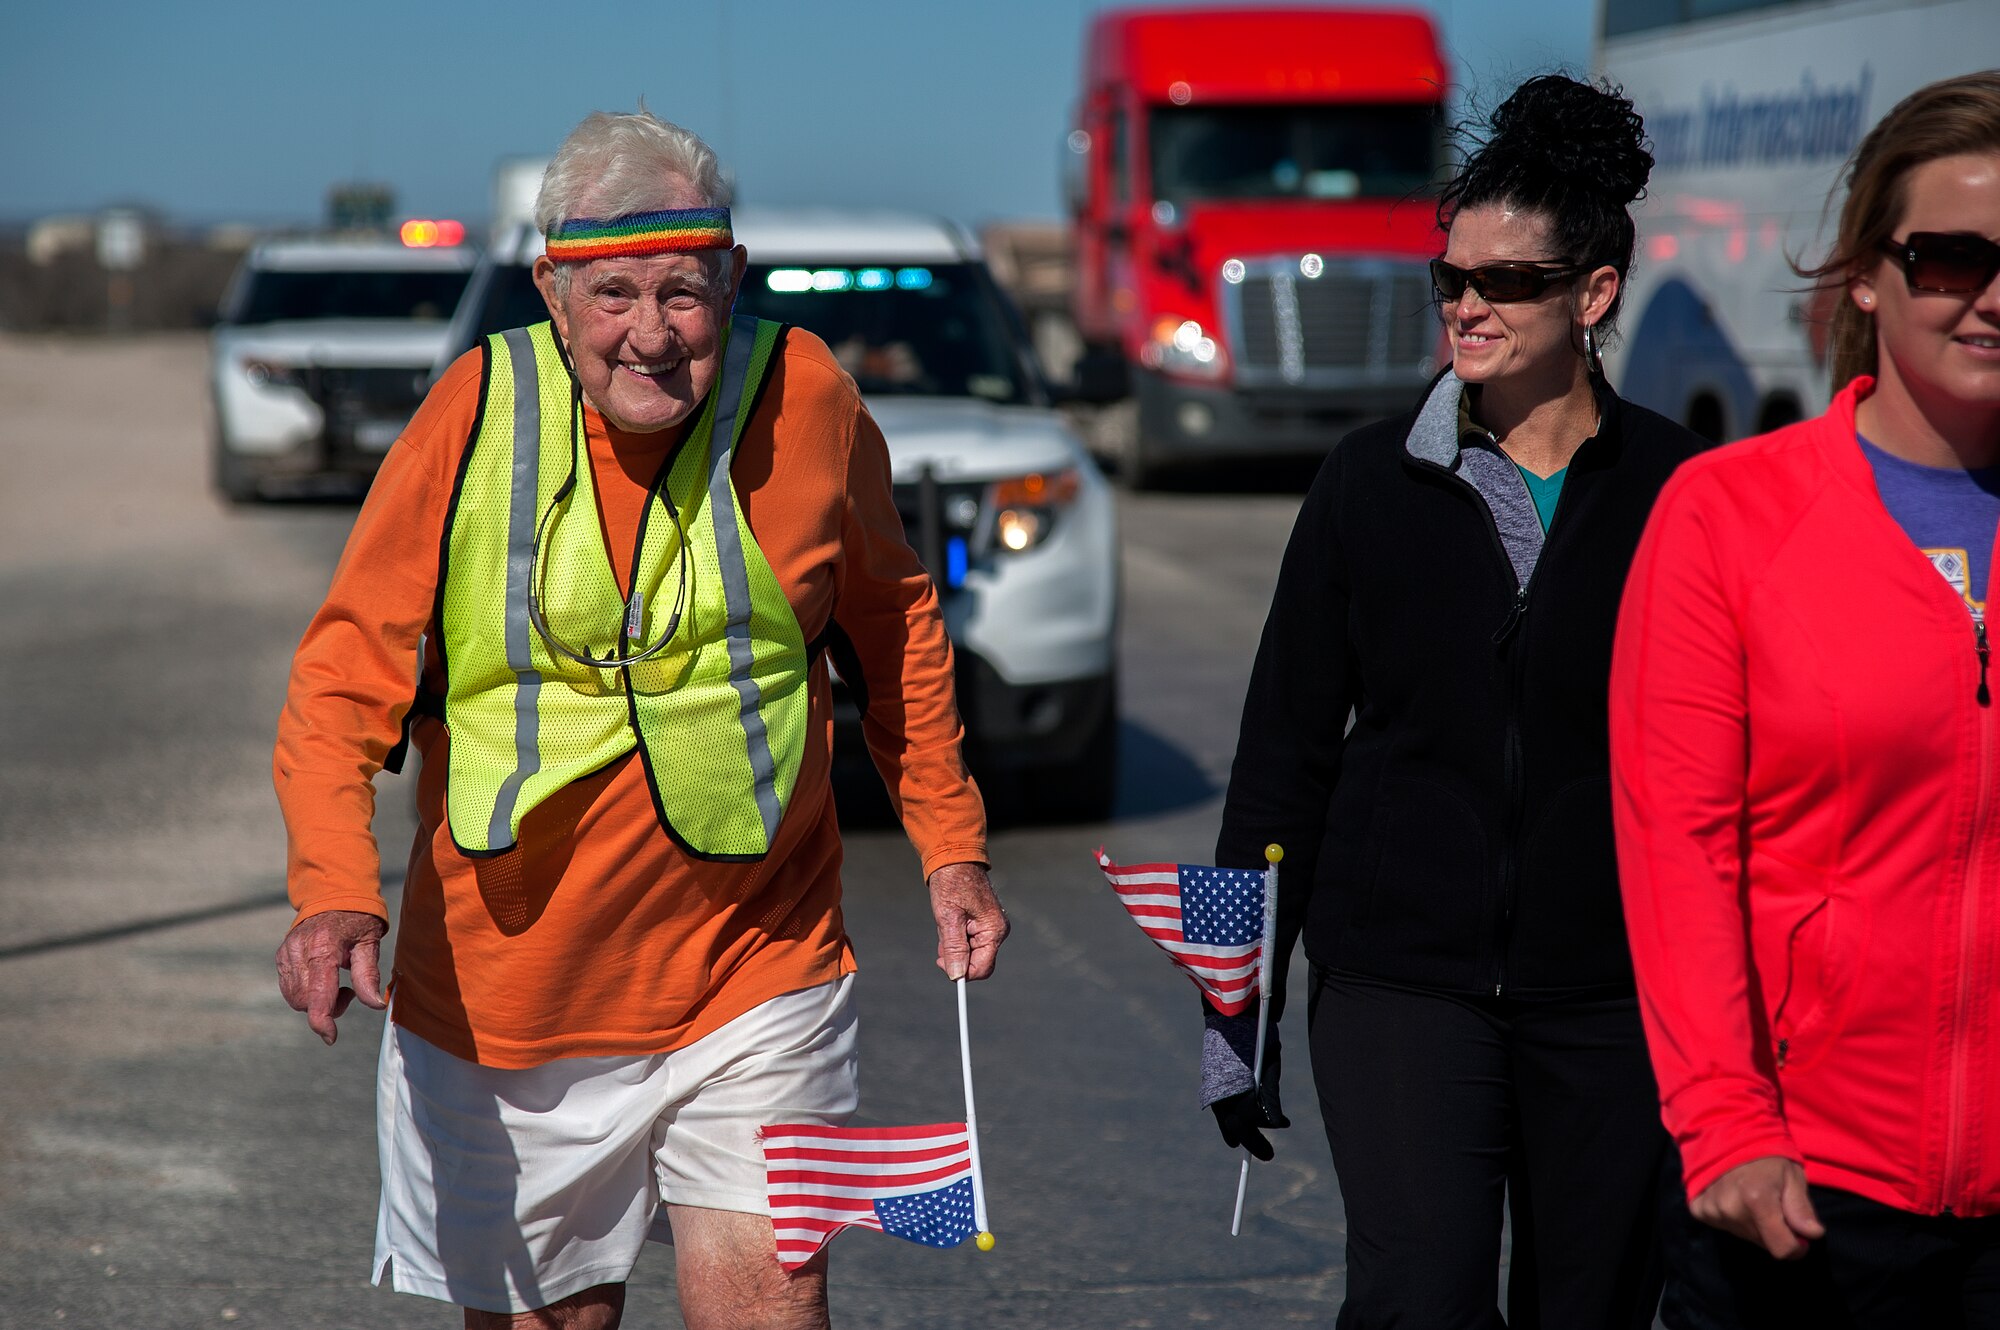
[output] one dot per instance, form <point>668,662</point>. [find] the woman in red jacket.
<point>1806,752</point>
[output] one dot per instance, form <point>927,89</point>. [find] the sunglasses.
<point>1951,264</point>
<point>1498,283</point>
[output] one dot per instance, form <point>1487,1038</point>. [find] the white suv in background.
<point>997,493</point>
<point>323,351</point>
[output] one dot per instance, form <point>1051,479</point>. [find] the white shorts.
<point>509,1190</point>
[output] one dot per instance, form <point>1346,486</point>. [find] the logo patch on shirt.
<point>1956,568</point>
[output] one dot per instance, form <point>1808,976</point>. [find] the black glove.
<point>1242,1117</point>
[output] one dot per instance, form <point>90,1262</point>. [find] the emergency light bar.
<point>424,233</point>
<point>795,280</point>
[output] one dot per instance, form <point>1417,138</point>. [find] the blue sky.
<point>216,110</point>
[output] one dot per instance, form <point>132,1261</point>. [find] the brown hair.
<point>1942,119</point>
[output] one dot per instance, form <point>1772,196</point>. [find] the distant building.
<point>52,237</point>
<point>360,206</point>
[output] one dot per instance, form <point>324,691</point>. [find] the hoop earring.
<point>1593,359</point>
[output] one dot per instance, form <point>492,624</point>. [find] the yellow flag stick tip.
<point>984,1242</point>
<point>1273,853</point>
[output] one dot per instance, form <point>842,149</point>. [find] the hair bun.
<point>1590,135</point>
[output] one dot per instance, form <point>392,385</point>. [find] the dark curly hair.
<point>1571,151</point>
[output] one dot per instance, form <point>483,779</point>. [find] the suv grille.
<point>1361,322</point>
<point>371,391</point>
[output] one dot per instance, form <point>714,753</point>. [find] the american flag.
<point>1210,920</point>
<point>908,1182</point>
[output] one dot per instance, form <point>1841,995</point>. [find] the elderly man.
<point>607,557</point>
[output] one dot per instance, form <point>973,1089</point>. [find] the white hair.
<point>618,162</point>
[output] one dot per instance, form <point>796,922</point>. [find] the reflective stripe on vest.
<point>718,717</point>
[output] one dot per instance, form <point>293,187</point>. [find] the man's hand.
<point>1765,1202</point>
<point>1242,1119</point>
<point>315,952</point>
<point>970,923</point>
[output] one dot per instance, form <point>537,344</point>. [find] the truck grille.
<point>1359,323</point>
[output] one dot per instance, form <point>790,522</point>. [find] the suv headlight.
<point>1026,508</point>
<point>1181,346</point>
<point>271,374</point>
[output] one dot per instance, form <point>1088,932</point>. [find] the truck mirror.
<point>1075,171</point>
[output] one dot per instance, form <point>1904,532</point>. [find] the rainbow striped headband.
<point>669,231</point>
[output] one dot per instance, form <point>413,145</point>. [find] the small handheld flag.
<point>908,1182</point>
<point>923,1184</point>
<point>1220,926</point>
<point>1210,920</point>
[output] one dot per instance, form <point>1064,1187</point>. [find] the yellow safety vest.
<point>718,717</point>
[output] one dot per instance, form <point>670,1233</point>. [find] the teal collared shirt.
<point>1544,491</point>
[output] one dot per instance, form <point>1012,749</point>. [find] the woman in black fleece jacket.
<point>1452,582</point>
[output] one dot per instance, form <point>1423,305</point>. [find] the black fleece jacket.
<point>1459,837</point>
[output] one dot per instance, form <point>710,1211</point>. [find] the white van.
<point>998,494</point>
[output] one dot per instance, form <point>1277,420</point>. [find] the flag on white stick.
<point>1210,920</point>
<point>909,1182</point>
<point>922,1184</point>
<point>1220,926</point>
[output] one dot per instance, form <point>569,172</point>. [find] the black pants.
<point>1441,1109</point>
<point>1878,1268</point>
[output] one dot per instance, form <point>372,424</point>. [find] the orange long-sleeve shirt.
<point>597,936</point>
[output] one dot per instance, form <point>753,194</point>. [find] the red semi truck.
<point>1251,193</point>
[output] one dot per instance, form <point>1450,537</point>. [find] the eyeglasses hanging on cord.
<point>635,604</point>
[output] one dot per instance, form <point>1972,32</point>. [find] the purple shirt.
<point>1950,513</point>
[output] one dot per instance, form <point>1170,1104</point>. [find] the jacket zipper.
<point>1513,780</point>
<point>1983,697</point>
<point>1513,759</point>
<point>1513,769</point>
<point>1968,923</point>
<point>1514,788</point>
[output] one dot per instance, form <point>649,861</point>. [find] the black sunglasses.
<point>1498,283</point>
<point>1938,261</point>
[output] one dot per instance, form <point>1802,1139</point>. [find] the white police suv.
<point>997,493</point>
<point>323,351</point>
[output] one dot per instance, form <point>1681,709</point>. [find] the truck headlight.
<point>1026,508</point>
<point>1182,346</point>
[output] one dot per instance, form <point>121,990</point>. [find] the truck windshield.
<point>275,295</point>
<point>1309,152</point>
<point>932,330</point>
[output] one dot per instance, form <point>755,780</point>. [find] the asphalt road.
<point>177,1150</point>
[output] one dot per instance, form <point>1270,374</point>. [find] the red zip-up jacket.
<point>1805,753</point>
